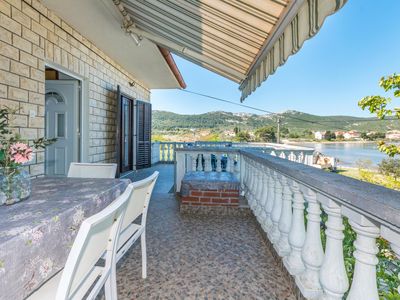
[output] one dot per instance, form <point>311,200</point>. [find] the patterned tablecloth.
<point>36,234</point>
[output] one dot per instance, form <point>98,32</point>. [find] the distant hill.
<point>296,122</point>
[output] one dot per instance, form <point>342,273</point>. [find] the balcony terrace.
<point>272,253</point>
<point>190,256</point>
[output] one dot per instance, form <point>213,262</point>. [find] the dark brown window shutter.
<point>143,156</point>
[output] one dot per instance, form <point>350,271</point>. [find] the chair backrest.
<point>92,170</point>
<point>139,200</point>
<point>97,238</point>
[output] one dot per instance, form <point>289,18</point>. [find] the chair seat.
<point>48,291</point>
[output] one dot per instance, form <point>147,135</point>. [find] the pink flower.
<point>20,153</point>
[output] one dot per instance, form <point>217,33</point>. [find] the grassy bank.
<point>371,176</point>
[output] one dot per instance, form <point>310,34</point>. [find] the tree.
<point>307,133</point>
<point>243,136</point>
<point>340,137</point>
<point>284,132</point>
<point>329,135</point>
<point>378,105</point>
<point>364,136</point>
<point>266,134</point>
<point>391,167</point>
<point>294,135</point>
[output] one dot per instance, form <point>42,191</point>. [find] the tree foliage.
<point>378,105</point>
<point>266,134</point>
<point>390,167</point>
<point>329,135</point>
<point>243,136</point>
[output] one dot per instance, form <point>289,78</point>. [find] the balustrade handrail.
<point>377,202</point>
<point>208,149</point>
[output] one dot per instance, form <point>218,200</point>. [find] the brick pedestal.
<point>212,197</point>
<point>210,190</point>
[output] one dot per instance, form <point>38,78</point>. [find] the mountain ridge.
<point>295,121</point>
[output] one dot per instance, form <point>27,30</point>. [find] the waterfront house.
<point>319,135</point>
<point>83,71</point>
<point>393,135</point>
<point>352,134</point>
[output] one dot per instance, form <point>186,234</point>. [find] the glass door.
<point>126,143</point>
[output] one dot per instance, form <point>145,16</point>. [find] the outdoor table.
<point>36,235</point>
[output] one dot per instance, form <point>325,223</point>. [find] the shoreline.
<point>332,142</point>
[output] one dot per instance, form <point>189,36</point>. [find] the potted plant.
<point>15,183</point>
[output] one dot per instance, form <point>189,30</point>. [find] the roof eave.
<point>172,65</point>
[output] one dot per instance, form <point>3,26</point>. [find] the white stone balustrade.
<point>289,199</point>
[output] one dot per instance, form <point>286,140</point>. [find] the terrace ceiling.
<point>100,22</point>
<point>243,40</point>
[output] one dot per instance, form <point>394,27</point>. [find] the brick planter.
<point>211,190</point>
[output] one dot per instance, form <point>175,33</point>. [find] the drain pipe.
<point>138,35</point>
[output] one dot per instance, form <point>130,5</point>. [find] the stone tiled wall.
<point>30,36</point>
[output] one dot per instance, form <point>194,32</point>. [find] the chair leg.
<point>110,286</point>
<point>144,255</point>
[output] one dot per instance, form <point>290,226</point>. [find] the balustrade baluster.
<point>161,152</point>
<point>252,186</point>
<point>264,198</point>
<point>207,162</point>
<point>258,192</point>
<point>169,152</point>
<point>243,183</point>
<point>228,163</point>
<point>249,181</point>
<point>236,165</point>
<point>312,253</point>
<point>276,210</point>
<point>292,156</point>
<point>194,160</point>
<point>300,157</point>
<point>219,162</point>
<point>285,220</point>
<point>165,149</point>
<point>364,284</point>
<point>200,167</point>
<point>333,275</point>
<point>293,262</point>
<point>270,201</point>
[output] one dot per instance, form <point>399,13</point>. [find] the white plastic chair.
<point>97,238</point>
<point>92,170</point>
<point>138,205</point>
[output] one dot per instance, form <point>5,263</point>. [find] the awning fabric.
<point>243,40</point>
<point>304,25</point>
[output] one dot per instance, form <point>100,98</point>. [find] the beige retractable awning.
<point>243,40</point>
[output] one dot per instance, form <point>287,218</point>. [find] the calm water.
<point>349,153</point>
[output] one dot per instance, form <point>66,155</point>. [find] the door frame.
<point>82,109</point>
<point>71,118</point>
<point>118,140</point>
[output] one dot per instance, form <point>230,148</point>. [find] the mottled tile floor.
<point>199,257</point>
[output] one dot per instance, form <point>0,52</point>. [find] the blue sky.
<point>328,76</point>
